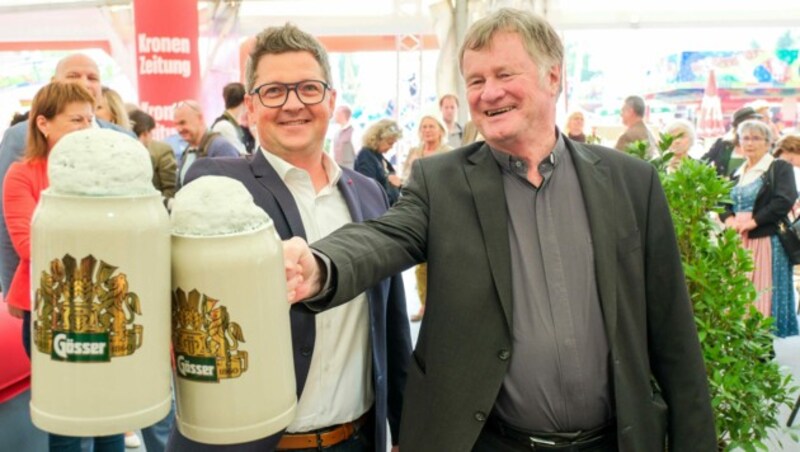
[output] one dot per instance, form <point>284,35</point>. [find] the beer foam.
<point>215,205</point>
<point>100,162</point>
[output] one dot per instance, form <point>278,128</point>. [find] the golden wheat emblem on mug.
<point>85,313</point>
<point>206,341</point>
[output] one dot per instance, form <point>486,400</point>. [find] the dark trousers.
<point>491,441</point>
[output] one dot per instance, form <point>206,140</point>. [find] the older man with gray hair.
<point>559,318</point>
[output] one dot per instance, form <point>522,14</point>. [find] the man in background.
<point>227,124</point>
<point>201,142</point>
<point>632,114</point>
<point>344,151</point>
<point>448,106</point>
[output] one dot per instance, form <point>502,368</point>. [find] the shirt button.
<point>305,351</point>
<point>480,416</point>
<point>504,355</point>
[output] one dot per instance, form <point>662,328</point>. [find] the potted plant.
<point>747,387</point>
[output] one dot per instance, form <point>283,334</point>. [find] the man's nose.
<point>491,91</point>
<point>293,101</point>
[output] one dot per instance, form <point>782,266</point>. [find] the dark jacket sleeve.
<point>776,200</point>
<point>368,165</point>
<point>675,354</point>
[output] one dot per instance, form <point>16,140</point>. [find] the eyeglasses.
<point>275,95</point>
<point>751,139</point>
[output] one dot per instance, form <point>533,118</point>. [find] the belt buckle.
<point>537,443</point>
<point>541,441</point>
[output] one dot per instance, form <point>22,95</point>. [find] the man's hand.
<point>303,273</point>
<point>395,448</point>
<point>16,312</point>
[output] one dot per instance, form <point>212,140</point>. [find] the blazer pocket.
<point>629,243</point>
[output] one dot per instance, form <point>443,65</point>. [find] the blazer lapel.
<point>594,176</point>
<point>347,188</point>
<point>485,180</point>
<point>266,175</point>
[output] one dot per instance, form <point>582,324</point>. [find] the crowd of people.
<point>544,323</point>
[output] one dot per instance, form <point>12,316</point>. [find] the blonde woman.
<point>432,141</point>
<point>684,136</point>
<point>574,127</point>
<point>111,108</point>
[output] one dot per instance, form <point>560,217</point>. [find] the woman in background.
<point>574,128</point>
<point>165,166</point>
<point>57,109</point>
<point>683,135</point>
<point>432,141</point>
<point>763,194</point>
<point>377,140</point>
<point>111,108</point>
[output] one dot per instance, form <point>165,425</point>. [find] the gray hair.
<point>684,127</point>
<point>288,38</point>
<point>757,125</point>
<point>636,104</point>
<point>540,39</point>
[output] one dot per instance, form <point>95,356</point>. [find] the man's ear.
<point>248,103</point>
<point>554,78</point>
<point>332,100</point>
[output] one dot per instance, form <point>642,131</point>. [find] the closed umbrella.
<point>709,120</point>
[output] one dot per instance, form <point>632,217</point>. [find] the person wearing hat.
<point>762,108</point>
<point>725,147</point>
<point>432,138</point>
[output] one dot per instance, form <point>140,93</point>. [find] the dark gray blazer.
<point>453,215</point>
<point>389,328</point>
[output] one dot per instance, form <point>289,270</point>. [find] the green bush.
<point>747,388</point>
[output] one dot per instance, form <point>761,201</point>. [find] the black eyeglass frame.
<point>289,88</point>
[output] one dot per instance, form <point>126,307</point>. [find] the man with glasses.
<point>189,122</point>
<point>350,363</point>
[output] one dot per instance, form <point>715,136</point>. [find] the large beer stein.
<point>100,307</point>
<point>230,325</point>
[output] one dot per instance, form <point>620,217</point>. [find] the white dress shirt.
<point>339,385</point>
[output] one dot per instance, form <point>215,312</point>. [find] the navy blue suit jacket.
<point>389,328</point>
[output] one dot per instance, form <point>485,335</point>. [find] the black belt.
<point>566,442</point>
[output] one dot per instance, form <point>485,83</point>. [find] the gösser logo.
<point>80,347</point>
<point>197,368</point>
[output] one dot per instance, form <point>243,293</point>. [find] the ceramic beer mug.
<point>100,257</point>
<point>230,317</point>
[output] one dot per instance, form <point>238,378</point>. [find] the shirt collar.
<point>286,169</point>
<point>519,168</point>
<point>759,168</point>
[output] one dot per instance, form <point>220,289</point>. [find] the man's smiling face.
<point>507,97</point>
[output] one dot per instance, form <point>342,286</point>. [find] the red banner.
<point>167,62</point>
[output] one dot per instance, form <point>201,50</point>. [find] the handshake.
<point>304,272</point>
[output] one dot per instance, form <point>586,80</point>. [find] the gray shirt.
<point>558,379</point>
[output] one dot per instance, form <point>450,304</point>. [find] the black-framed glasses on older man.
<point>275,95</point>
